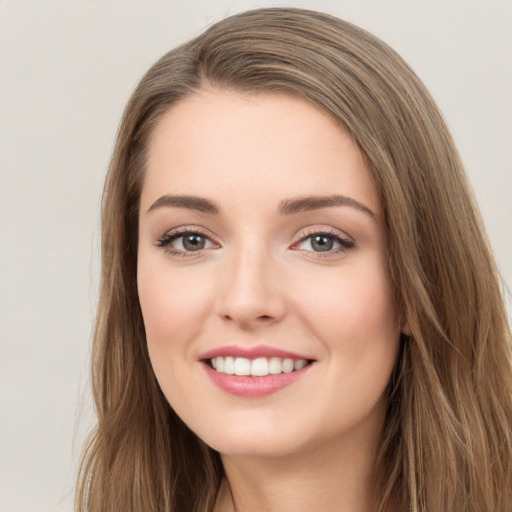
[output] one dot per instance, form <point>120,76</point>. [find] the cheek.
<point>173,306</point>
<point>356,321</point>
<point>354,315</point>
<point>358,300</point>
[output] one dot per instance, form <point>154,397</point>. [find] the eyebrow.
<point>189,202</point>
<point>308,203</point>
<point>286,207</point>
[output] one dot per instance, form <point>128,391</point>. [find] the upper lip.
<point>251,352</point>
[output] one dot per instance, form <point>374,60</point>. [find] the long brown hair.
<point>447,441</point>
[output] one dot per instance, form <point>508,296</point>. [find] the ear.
<point>405,329</point>
<point>403,321</point>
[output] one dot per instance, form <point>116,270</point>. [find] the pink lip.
<point>254,387</point>
<point>250,352</point>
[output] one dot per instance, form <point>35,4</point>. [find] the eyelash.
<point>165,242</point>
<point>345,244</point>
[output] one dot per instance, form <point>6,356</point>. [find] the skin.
<point>259,280</point>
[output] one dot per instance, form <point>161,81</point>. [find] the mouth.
<point>253,372</point>
<point>257,367</point>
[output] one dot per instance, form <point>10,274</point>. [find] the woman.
<point>299,309</point>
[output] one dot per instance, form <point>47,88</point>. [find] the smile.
<point>259,367</point>
<point>253,372</point>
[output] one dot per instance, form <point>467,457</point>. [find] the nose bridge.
<point>252,294</point>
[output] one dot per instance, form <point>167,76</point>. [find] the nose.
<point>252,293</point>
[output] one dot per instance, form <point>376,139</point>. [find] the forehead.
<point>217,142</point>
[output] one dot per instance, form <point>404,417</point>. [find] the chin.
<point>253,449</point>
<point>254,440</point>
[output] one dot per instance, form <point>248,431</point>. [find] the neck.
<point>334,478</point>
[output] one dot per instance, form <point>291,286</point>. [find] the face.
<point>269,316</point>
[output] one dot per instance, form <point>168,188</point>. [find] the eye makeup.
<point>323,242</point>
<point>186,242</point>
<point>192,241</point>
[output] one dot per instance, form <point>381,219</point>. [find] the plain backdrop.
<point>66,71</point>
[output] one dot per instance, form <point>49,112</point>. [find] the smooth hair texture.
<point>447,442</point>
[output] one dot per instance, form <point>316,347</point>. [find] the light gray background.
<point>66,71</point>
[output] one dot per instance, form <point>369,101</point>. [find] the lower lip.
<point>254,387</point>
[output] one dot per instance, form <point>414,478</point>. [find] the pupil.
<point>322,243</point>
<point>193,242</point>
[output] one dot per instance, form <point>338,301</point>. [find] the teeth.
<point>259,367</point>
<point>300,364</point>
<point>242,366</point>
<point>229,366</point>
<point>288,365</point>
<point>274,366</point>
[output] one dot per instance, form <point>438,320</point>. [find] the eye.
<point>319,243</point>
<point>183,242</point>
<point>322,242</point>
